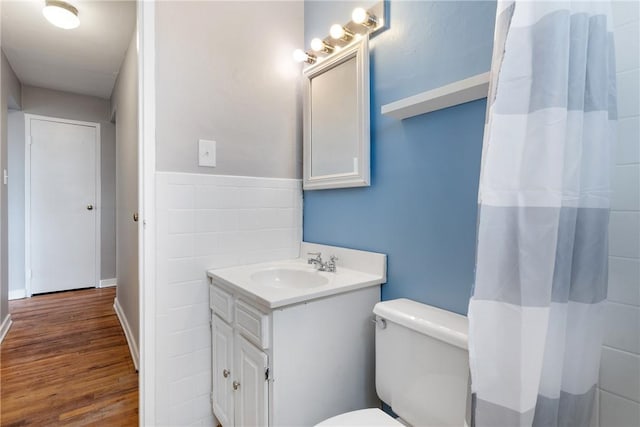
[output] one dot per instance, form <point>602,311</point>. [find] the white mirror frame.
<point>358,49</point>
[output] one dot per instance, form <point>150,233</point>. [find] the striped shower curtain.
<point>536,314</point>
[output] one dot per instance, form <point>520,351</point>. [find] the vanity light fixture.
<point>362,17</point>
<point>300,55</point>
<point>319,45</point>
<point>363,23</point>
<point>61,14</point>
<point>338,32</point>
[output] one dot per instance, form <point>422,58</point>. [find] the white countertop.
<point>343,280</point>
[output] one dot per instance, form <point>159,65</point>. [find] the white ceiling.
<point>85,60</point>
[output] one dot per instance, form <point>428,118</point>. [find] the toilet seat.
<point>372,417</point>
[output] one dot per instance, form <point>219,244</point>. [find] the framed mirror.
<point>336,119</point>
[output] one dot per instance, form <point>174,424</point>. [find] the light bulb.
<point>61,14</point>
<point>362,17</point>
<point>359,15</point>
<point>300,55</point>
<point>317,45</point>
<point>337,31</point>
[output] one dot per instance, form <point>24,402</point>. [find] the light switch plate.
<point>207,153</point>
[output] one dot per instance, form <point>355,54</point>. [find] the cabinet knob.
<point>225,373</point>
<point>236,385</point>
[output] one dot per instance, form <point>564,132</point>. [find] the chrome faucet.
<point>316,260</point>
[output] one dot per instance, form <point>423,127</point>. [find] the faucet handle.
<point>316,258</point>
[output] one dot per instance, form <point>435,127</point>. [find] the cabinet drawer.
<point>252,324</point>
<point>221,302</point>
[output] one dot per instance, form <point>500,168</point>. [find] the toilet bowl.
<point>422,368</point>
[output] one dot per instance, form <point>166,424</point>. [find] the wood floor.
<point>65,361</point>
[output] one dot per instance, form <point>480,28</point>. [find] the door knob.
<point>236,385</point>
<point>225,373</point>
<point>135,216</point>
<point>89,207</point>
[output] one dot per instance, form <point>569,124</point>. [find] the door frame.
<point>27,192</point>
<point>145,31</point>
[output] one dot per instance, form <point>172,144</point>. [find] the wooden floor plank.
<point>65,361</point>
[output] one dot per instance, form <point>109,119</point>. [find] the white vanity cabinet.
<point>293,365</point>
<point>240,368</point>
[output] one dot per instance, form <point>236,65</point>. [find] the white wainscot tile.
<point>624,234</point>
<point>207,243</point>
<point>233,241</point>
<point>196,363</point>
<point>620,373</point>
<point>181,414</point>
<point>624,280</point>
<point>180,245</point>
<point>625,186</point>
<point>202,408</point>
<point>621,327</point>
<point>193,386</point>
<point>629,93</point>
<point>262,240</point>
<point>182,270</point>
<point>180,196</point>
<point>618,412</point>
<point>187,317</point>
<point>189,293</point>
<point>190,340</point>
<point>628,146</point>
<point>272,198</point>
<point>627,39</point>
<point>213,197</point>
<point>216,220</point>
<point>261,219</point>
<point>220,260</point>
<point>271,255</point>
<point>181,221</point>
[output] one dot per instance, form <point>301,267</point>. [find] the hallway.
<point>65,361</point>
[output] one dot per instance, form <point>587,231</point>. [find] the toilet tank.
<point>422,363</point>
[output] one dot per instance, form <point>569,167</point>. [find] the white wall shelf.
<point>456,93</point>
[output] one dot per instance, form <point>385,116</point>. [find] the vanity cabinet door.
<point>222,371</point>
<point>251,387</point>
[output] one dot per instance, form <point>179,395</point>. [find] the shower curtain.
<point>536,313</point>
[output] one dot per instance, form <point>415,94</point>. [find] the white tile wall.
<point>619,392</point>
<point>208,221</point>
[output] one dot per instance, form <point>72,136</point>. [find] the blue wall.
<point>421,207</point>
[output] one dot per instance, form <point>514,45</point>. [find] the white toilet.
<point>422,368</point>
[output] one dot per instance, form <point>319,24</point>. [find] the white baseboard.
<point>5,326</point>
<point>105,283</point>
<point>133,348</point>
<point>17,294</point>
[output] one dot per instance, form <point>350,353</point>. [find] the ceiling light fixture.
<point>61,14</point>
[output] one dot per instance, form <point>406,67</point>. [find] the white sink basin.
<point>289,278</point>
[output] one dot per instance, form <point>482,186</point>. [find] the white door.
<point>222,356</point>
<point>251,388</point>
<point>62,210</point>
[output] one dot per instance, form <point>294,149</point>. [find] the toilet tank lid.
<point>435,322</point>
